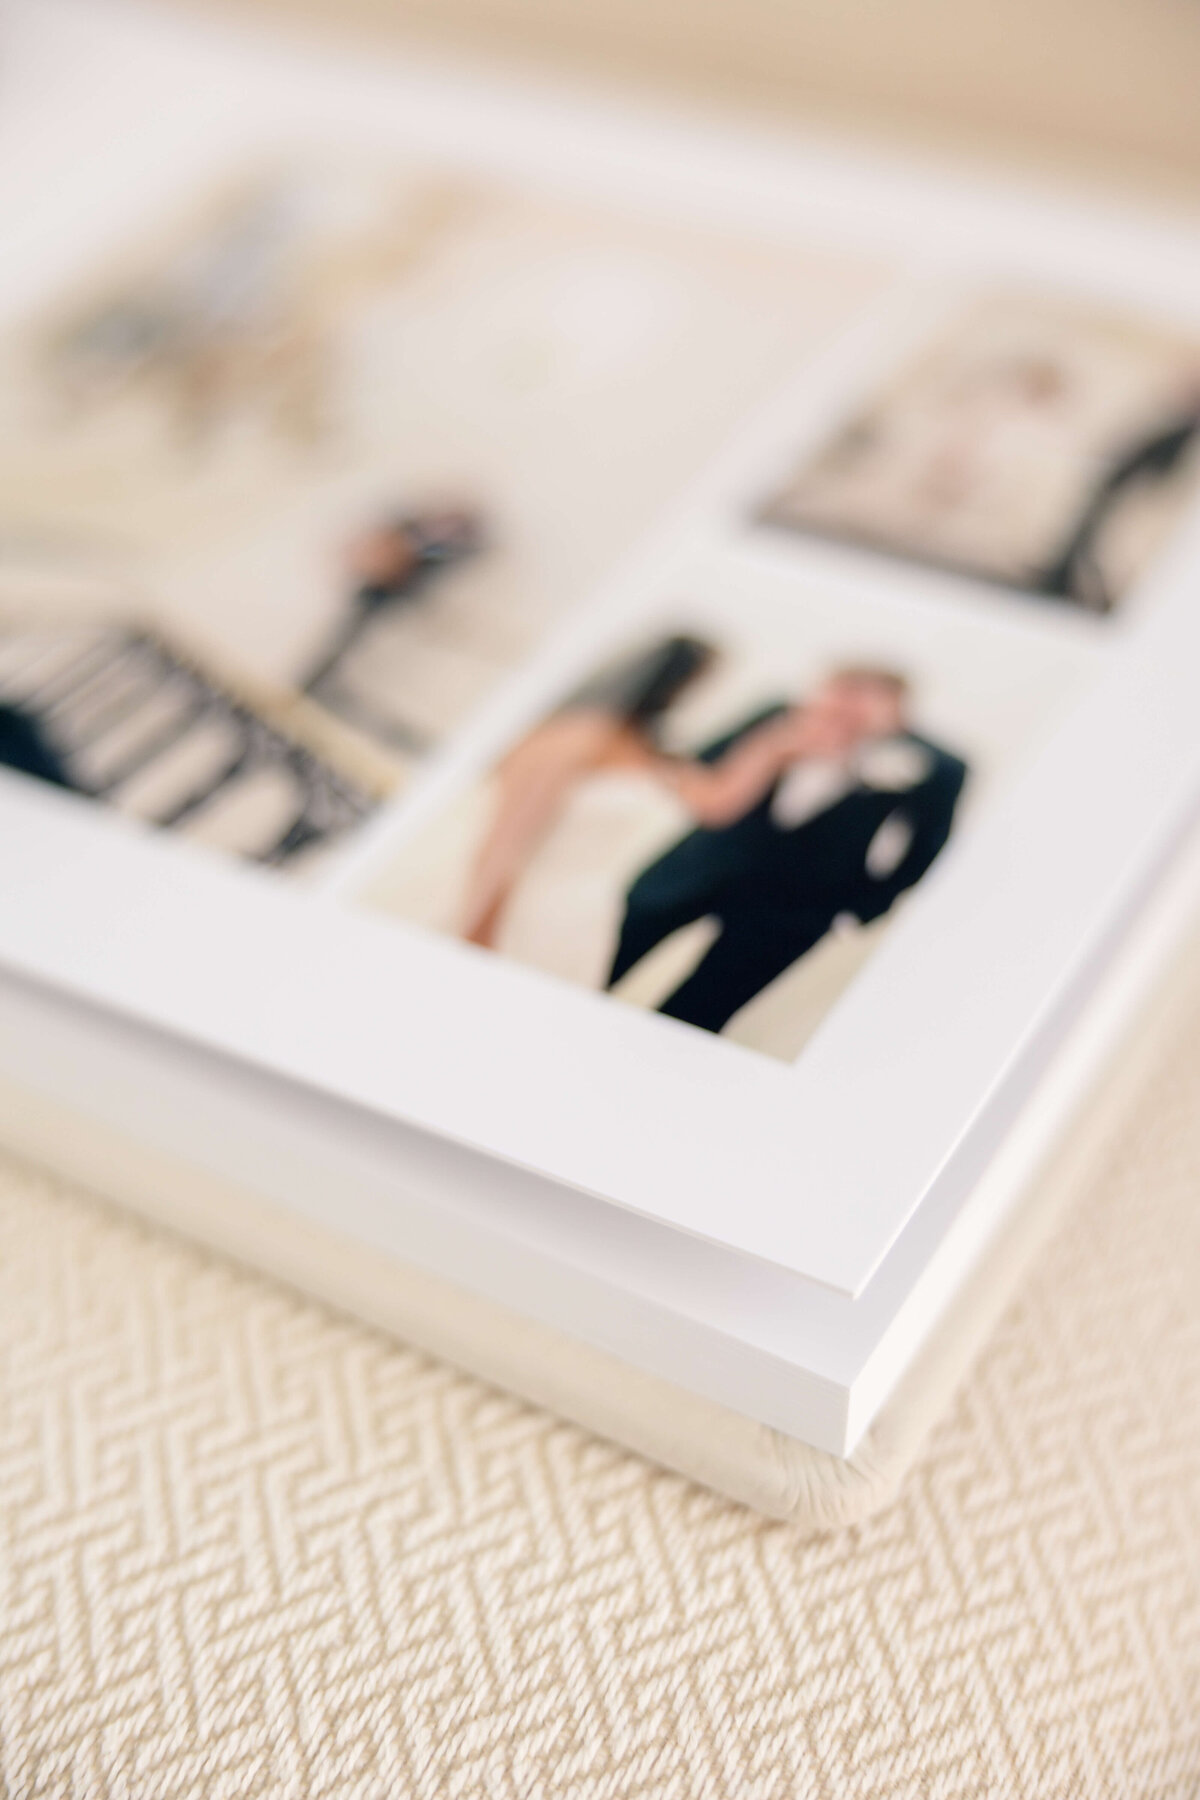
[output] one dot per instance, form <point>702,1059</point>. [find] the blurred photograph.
<point>718,823</point>
<point>1035,443</point>
<point>112,707</point>
<point>353,435</point>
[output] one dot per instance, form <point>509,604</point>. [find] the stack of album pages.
<point>597,708</point>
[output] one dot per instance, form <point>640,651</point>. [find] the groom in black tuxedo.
<point>805,813</point>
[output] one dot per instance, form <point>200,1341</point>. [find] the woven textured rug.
<point>251,1548</point>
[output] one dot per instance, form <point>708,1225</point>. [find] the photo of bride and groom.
<point>720,816</point>
<point>809,811</point>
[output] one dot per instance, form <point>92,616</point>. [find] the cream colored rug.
<point>251,1548</point>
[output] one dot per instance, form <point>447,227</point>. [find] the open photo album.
<point>596,703</point>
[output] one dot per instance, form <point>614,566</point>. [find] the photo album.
<point>597,706</point>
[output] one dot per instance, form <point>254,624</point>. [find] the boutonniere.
<point>893,765</point>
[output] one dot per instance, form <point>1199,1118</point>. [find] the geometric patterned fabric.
<point>250,1548</point>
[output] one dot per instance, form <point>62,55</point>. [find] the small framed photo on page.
<point>1039,443</point>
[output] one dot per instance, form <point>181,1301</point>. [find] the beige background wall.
<point>1103,87</point>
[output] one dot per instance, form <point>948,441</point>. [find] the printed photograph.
<point>112,707</point>
<point>720,821</point>
<point>309,470</point>
<point>1035,443</point>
